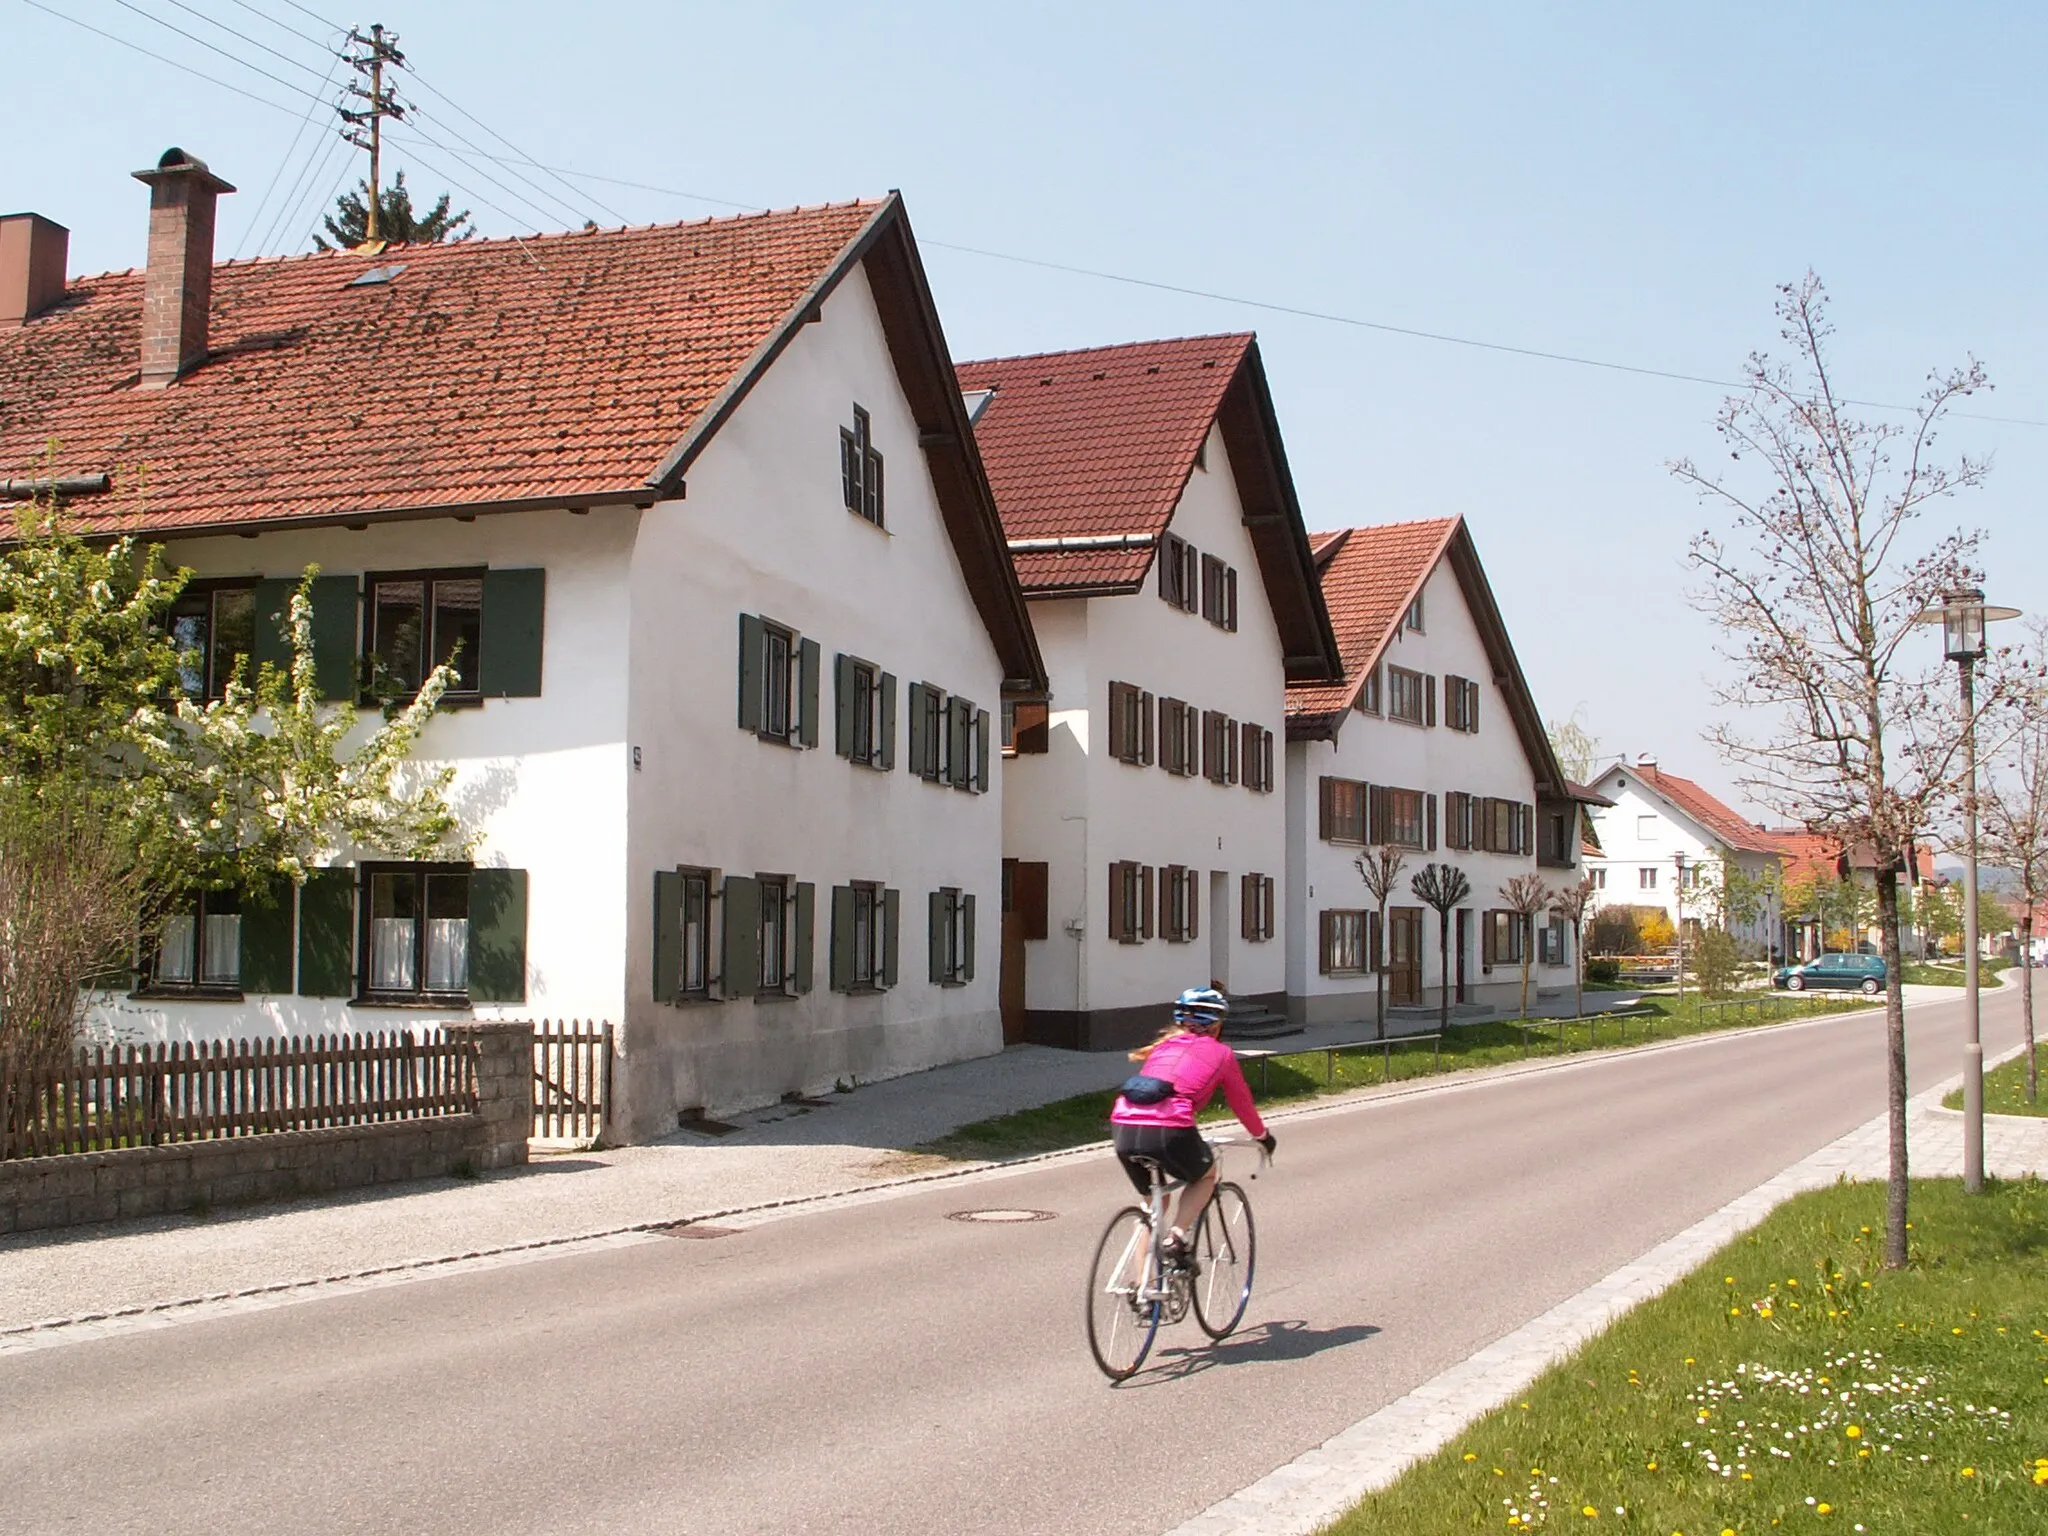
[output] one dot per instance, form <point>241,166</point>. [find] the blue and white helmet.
<point>1203,1007</point>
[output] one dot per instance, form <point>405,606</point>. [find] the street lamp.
<point>1678,860</point>
<point>1962,617</point>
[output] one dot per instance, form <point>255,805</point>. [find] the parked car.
<point>1847,973</point>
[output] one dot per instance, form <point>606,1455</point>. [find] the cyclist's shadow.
<point>1281,1339</point>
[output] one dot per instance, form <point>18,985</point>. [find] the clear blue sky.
<point>1624,182</point>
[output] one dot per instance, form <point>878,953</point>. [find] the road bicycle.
<point>1133,1289</point>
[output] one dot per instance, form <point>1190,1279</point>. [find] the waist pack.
<point>1140,1089</point>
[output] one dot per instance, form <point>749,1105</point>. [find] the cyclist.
<point>1154,1117</point>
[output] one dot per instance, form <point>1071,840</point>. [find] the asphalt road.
<point>878,1367</point>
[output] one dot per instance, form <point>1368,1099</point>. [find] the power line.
<point>290,150</point>
<point>231,32</point>
<point>261,101</point>
<point>297,90</point>
<point>320,208</point>
<point>573,190</point>
<point>283,26</point>
<point>547,214</point>
<point>320,155</point>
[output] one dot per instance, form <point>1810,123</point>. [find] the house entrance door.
<point>1010,983</point>
<point>1219,930</point>
<point>1404,956</point>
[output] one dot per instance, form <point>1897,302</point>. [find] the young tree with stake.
<point>1570,904</point>
<point>1379,868</point>
<point>1442,887</point>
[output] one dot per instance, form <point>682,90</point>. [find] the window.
<point>1343,946</point>
<point>1406,818</point>
<point>1258,758</point>
<point>1646,877</point>
<point>1646,829</point>
<point>1255,908</point>
<point>1558,828</point>
<point>927,731</point>
<point>1369,693</point>
<point>952,937</point>
<point>1461,704</point>
<point>967,745</point>
<point>1457,820</point>
<point>214,630</point>
<point>199,947</point>
<point>1219,748</point>
<point>778,682</point>
<point>1501,938</point>
<point>1408,696</point>
<point>415,932</point>
<point>1413,618</point>
<point>860,469</point>
<point>1027,728</point>
<point>766,932</point>
<point>694,920</point>
<point>864,917</point>
<point>1219,593</point>
<point>865,697</point>
<point>1130,902</point>
<point>1179,904</point>
<point>1553,943</point>
<point>1342,810</point>
<point>1599,879</point>
<point>1178,579</point>
<point>418,622</point>
<point>1130,724</point>
<point>773,968</point>
<point>1179,744</point>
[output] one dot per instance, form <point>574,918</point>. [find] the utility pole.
<point>365,127</point>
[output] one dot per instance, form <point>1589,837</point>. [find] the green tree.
<point>349,225</point>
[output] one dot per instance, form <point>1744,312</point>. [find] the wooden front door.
<point>1404,956</point>
<point>1024,918</point>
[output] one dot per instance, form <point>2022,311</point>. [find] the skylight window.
<point>976,401</point>
<point>377,276</point>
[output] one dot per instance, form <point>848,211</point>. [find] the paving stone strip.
<point>1318,1486</point>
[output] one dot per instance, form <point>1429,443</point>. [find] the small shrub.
<point>1604,968</point>
<point>1716,960</point>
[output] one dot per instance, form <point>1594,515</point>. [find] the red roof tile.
<point>488,371</point>
<point>1369,575</point>
<point>1726,824</point>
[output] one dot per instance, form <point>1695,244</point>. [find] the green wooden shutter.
<point>267,940</point>
<point>806,935</point>
<point>336,626</point>
<point>509,654</point>
<point>981,753</point>
<point>327,933</point>
<point>892,924</point>
<point>753,644</point>
<point>843,711</point>
<point>935,935</point>
<point>668,934</point>
<point>919,728</point>
<point>741,899</point>
<point>967,937</point>
<point>810,661</point>
<point>839,967</point>
<point>497,936</point>
<point>887,745</point>
<point>273,624</point>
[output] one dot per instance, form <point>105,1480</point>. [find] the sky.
<point>1617,182</point>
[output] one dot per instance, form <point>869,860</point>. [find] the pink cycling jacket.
<point>1196,1066</point>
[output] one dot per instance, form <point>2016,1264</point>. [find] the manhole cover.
<point>1000,1216</point>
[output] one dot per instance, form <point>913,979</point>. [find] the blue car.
<point>1841,973</point>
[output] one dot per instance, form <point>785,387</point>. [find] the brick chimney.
<point>177,288</point>
<point>32,255</point>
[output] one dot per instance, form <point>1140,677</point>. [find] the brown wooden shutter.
<point>1144,874</point>
<point>1326,797</point>
<point>1429,699</point>
<point>1266,912</point>
<point>1429,822</point>
<point>1030,898</point>
<point>1192,881</point>
<point>1120,745</point>
<point>1376,813</point>
<point>1245,912</point>
<point>1230,599</point>
<point>1325,924</point>
<point>1117,874</point>
<point>1145,728</point>
<point>1472,707</point>
<point>843,711</point>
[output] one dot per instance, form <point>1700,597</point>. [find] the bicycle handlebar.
<point>1220,1142</point>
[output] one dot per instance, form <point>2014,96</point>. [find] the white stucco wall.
<point>1081,810</point>
<point>540,781</point>
<point>764,530</point>
<point>1642,830</point>
<point>1436,760</point>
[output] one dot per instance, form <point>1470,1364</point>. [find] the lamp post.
<point>1962,617</point>
<point>1678,861</point>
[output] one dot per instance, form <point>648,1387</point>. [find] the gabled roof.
<point>1702,809</point>
<point>1369,577</point>
<point>1817,855</point>
<point>1089,451</point>
<point>492,375</point>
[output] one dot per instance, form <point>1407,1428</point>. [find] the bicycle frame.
<point>1159,1284</point>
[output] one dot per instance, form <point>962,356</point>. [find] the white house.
<point>1432,745</point>
<point>725,727</point>
<point>1667,843</point>
<point>1149,510</point>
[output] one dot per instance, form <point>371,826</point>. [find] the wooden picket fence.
<point>116,1096</point>
<point>572,1079</point>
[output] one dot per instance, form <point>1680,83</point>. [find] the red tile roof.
<point>488,371</point>
<point>1099,441</point>
<point>1726,824</point>
<point>1370,576</point>
<point>1817,855</point>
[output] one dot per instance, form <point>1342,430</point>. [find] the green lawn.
<point>2005,1088</point>
<point>1788,1384</point>
<point>1932,974</point>
<point>1312,1074</point>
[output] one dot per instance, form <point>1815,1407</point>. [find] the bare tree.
<point>1443,887</point>
<point>1379,868</point>
<point>1815,580</point>
<point>2014,802</point>
<point>1570,904</point>
<point>1525,896</point>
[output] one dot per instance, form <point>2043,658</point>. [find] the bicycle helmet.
<point>1203,1007</point>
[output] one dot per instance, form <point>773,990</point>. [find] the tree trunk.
<point>1443,960</point>
<point>1528,935</point>
<point>2027,997</point>
<point>1895,1062</point>
<point>1378,945</point>
<point>1579,970</point>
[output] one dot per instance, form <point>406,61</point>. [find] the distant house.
<point>1429,742</point>
<point>725,725</point>
<point>1145,495</point>
<point>1813,861</point>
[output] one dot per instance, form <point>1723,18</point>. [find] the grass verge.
<point>2005,1087</point>
<point>1929,974</point>
<point>1313,1074</point>
<point>1789,1384</point>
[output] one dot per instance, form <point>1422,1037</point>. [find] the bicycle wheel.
<point>1226,1247</point>
<point>1122,1317</point>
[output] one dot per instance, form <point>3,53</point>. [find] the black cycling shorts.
<point>1179,1149</point>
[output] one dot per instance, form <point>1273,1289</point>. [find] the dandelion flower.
<point>1824,1509</point>
<point>1969,1471</point>
<point>1471,1456</point>
<point>1854,1432</point>
<point>1590,1512</point>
